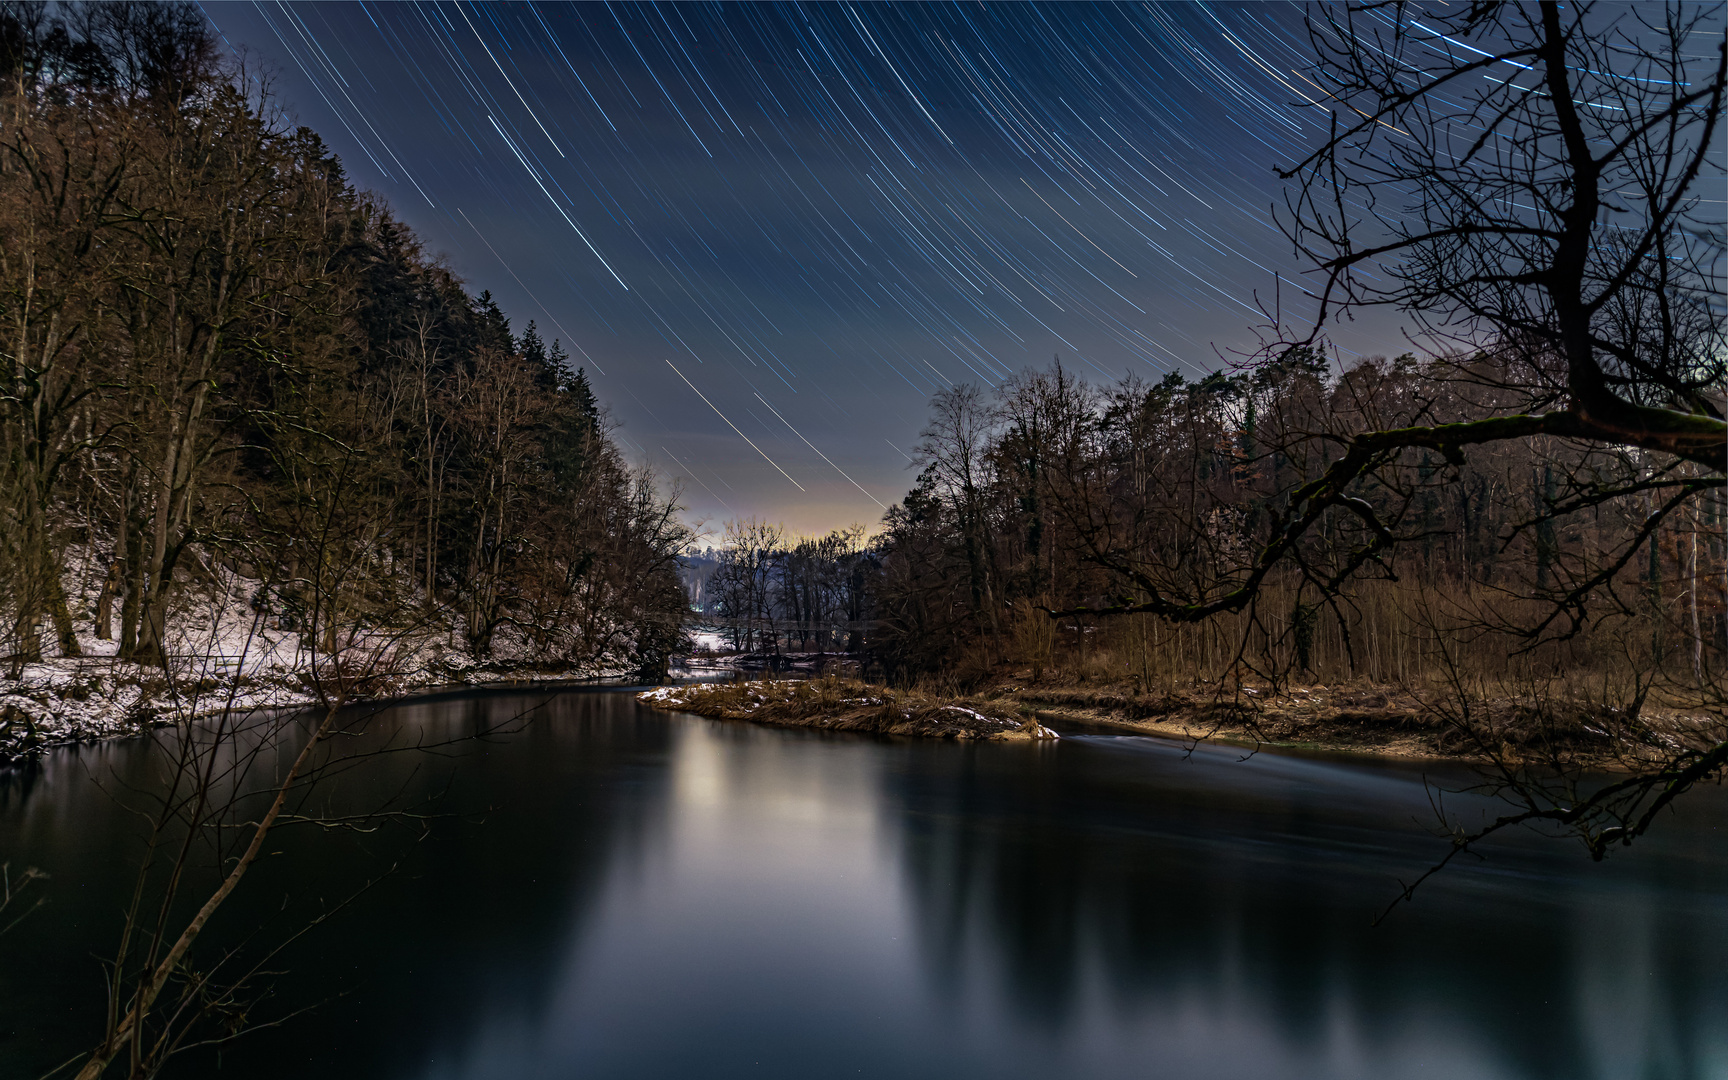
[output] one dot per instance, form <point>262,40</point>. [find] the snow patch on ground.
<point>226,656</point>
<point>710,641</point>
<point>977,716</point>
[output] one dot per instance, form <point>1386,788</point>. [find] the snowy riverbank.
<point>224,655</point>
<point>85,699</point>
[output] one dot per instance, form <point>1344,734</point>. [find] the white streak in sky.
<point>733,426</point>
<point>819,453</point>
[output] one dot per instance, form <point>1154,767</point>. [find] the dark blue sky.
<point>770,233</point>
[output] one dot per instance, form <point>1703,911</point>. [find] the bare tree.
<point>1526,183</point>
<point>951,450</point>
<point>742,585</point>
<point>1533,505</point>
<point>232,781</point>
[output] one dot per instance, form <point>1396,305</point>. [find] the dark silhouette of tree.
<point>1532,187</point>
<point>201,314</point>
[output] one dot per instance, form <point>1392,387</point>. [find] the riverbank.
<point>62,701</point>
<point>84,699</point>
<point>1552,730</point>
<point>94,698</point>
<point>1355,719</point>
<point>226,653</point>
<point>1363,719</point>
<point>832,703</point>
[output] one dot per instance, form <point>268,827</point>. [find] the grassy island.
<point>1351,718</point>
<point>833,703</point>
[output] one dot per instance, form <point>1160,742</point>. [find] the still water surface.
<point>623,893</point>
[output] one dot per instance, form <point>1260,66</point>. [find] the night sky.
<point>770,233</point>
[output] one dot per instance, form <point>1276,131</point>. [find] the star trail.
<point>771,232</point>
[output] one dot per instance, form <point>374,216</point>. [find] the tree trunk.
<point>57,608</point>
<point>129,601</point>
<point>105,599</point>
<point>27,636</point>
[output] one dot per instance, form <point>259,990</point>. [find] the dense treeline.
<point>1045,514</point>
<point>1055,496</point>
<point>810,594</point>
<point>217,351</point>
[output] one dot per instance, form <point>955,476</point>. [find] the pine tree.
<point>532,349</point>
<point>573,434</point>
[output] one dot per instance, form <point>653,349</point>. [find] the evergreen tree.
<point>574,429</point>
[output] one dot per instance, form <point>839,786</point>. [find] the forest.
<point>1517,527</point>
<point>241,397</point>
<point>1053,495</point>
<point>226,367</point>
<point>221,358</point>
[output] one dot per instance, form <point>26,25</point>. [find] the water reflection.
<point>632,895</point>
<point>1220,911</point>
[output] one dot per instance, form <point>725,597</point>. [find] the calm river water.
<point>623,893</point>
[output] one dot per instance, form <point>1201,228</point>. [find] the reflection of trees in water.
<point>17,781</point>
<point>1115,888</point>
<point>477,918</point>
<point>54,817</point>
<point>1065,889</point>
<point>483,914</point>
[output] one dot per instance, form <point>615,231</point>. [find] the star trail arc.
<point>822,212</point>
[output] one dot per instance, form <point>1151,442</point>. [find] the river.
<point>615,892</point>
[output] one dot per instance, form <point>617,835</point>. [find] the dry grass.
<point>1385,633</point>
<point>1399,668</point>
<point>835,703</point>
<point>1532,728</point>
<point>1352,717</point>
